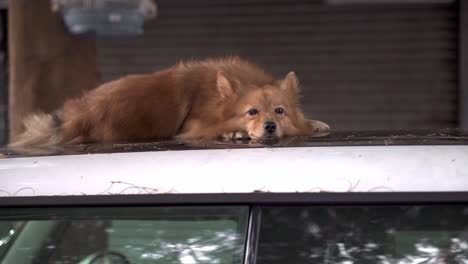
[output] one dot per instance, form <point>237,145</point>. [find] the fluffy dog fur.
<point>227,97</point>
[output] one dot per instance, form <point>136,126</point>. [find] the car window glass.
<point>124,235</point>
<point>358,234</point>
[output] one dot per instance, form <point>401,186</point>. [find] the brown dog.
<point>227,97</point>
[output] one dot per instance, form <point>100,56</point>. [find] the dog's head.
<point>264,112</point>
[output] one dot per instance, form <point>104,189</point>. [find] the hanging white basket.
<point>105,17</point>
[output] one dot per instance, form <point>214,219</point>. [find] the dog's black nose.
<point>270,127</point>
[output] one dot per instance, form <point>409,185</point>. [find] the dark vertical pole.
<point>47,65</point>
<point>463,65</point>
<point>3,77</point>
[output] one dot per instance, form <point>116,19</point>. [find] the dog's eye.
<point>252,112</point>
<point>279,110</point>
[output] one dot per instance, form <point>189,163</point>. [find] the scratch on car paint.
<point>19,191</point>
<point>352,188</point>
<point>127,186</point>
<point>381,188</point>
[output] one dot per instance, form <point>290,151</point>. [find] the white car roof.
<point>407,168</point>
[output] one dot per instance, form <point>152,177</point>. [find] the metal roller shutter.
<point>381,66</point>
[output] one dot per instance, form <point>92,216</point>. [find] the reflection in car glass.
<point>123,235</point>
<point>373,235</point>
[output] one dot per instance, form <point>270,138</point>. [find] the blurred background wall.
<point>362,66</point>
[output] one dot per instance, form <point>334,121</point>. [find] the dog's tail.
<point>41,131</point>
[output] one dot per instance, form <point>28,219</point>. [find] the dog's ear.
<point>290,83</point>
<point>225,88</point>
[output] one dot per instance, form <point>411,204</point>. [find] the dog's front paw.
<point>318,126</point>
<point>237,135</point>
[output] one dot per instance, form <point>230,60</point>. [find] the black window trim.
<point>261,198</point>
<point>251,244</point>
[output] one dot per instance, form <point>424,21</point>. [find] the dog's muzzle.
<point>269,129</point>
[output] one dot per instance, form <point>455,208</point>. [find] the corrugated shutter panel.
<point>382,66</point>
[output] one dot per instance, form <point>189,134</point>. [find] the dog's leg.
<point>317,126</point>
<point>308,127</point>
<point>228,136</point>
<point>199,129</point>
